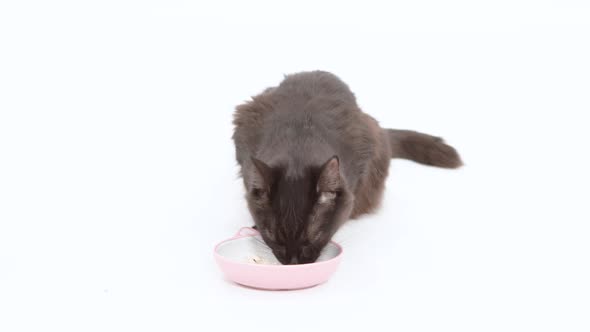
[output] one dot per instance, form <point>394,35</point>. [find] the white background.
<point>117,171</point>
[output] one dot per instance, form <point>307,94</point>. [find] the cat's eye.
<point>257,193</point>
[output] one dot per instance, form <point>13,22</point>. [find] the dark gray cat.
<point>311,159</point>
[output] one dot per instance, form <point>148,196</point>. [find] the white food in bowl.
<point>253,250</point>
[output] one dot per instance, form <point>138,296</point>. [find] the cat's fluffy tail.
<point>422,148</point>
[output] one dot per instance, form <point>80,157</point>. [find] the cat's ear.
<point>329,180</point>
<point>262,177</point>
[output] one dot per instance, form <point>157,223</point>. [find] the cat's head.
<point>298,215</point>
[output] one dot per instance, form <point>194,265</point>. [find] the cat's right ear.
<point>330,180</point>
<point>262,177</point>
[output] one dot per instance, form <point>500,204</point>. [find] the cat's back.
<point>305,87</point>
<point>303,107</point>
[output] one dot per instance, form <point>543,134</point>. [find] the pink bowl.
<point>231,255</point>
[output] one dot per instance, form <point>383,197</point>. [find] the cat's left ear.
<point>330,180</point>
<point>263,176</point>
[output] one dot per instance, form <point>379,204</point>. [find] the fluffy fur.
<point>311,159</point>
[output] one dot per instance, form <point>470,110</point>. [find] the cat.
<point>311,160</point>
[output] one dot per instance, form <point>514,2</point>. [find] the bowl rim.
<point>269,266</point>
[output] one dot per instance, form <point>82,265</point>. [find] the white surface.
<point>117,174</point>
